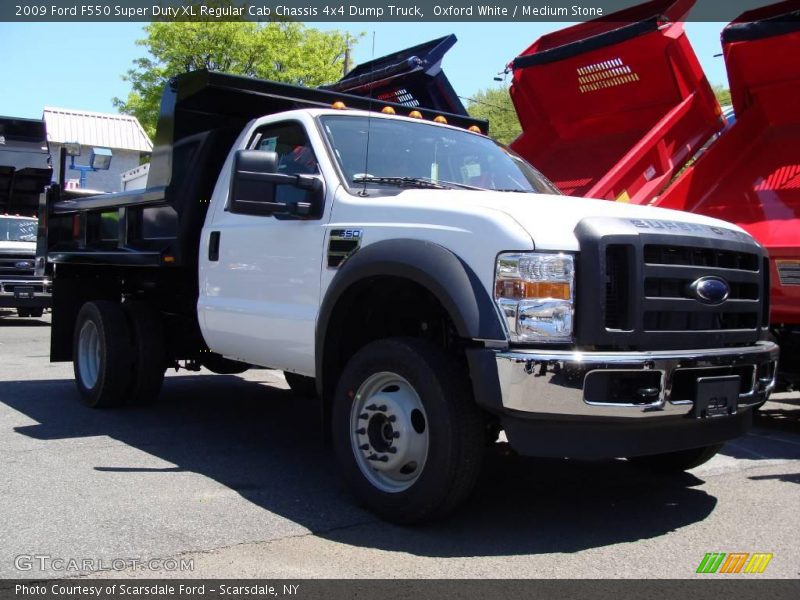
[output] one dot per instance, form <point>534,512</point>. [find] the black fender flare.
<point>454,284</point>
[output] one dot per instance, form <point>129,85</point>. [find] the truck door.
<point>260,274</point>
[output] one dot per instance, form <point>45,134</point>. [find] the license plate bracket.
<point>716,396</point>
<point>24,292</point>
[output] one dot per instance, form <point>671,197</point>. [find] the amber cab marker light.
<point>415,114</point>
<point>440,119</point>
<point>474,129</point>
<point>339,105</point>
<point>388,110</point>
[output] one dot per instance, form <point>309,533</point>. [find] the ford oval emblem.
<point>710,290</point>
<point>23,264</point>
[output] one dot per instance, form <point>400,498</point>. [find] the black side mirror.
<point>255,188</point>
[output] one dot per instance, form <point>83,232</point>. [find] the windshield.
<point>407,153</point>
<point>17,230</point>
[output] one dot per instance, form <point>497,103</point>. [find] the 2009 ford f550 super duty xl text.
<point>428,283</point>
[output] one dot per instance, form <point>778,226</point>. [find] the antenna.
<point>363,192</point>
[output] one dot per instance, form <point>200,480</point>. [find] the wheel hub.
<point>389,431</point>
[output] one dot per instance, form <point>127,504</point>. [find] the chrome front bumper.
<point>41,296</point>
<point>553,383</point>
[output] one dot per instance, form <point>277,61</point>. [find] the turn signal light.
<point>516,289</point>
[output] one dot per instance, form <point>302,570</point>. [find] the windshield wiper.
<point>417,182</point>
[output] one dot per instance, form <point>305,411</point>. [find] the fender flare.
<point>451,281</point>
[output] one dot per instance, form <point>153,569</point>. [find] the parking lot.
<point>229,475</point>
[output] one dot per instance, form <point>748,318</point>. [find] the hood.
<point>551,220</point>
<point>18,248</point>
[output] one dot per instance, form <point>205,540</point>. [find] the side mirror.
<point>252,188</point>
<point>258,189</point>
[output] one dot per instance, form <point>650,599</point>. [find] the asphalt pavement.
<point>228,477</point>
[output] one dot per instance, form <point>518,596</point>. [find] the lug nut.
<point>363,416</point>
<point>361,431</point>
<point>372,407</point>
<point>392,450</point>
<point>364,447</point>
<point>396,434</point>
<point>392,418</point>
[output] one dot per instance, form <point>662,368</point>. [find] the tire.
<point>222,366</point>
<point>103,356</point>
<point>149,352</point>
<point>35,312</point>
<point>305,387</point>
<point>673,462</point>
<point>416,399</point>
<point>23,313</point>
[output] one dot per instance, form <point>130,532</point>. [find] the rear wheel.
<point>683,460</point>
<point>301,385</point>
<point>103,355</point>
<point>149,351</point>
<point>406,432</point>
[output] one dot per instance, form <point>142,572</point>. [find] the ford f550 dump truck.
<point>430,285</point>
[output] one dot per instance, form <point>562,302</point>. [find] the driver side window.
<point>290,142</point>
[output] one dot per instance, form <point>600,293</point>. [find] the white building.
<point>121,133</point>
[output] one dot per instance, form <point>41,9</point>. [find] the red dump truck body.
<point>613,108</point>
<point>751,175</point>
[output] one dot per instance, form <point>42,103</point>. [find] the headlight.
<point>535,293</point>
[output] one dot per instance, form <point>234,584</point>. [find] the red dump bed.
<point>614,108</point>
<point>751,175</point>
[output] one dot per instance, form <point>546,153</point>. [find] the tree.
<point>494,104</point>
<point>288,52</point>
<point>723,95</point>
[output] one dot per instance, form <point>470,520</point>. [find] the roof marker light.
<point>440,119</point>
<point>339,105</point>
<point>415,114</point>
<point>388,110</point>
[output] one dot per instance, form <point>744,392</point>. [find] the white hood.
<point>551,220</point>
<point>18,248</point>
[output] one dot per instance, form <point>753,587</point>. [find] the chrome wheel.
<point>389,432</point>
<point>89,354</point>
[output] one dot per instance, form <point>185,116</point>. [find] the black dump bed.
<point>24,165</point>
<point>202,114</point>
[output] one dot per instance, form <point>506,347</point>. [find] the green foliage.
<point>288,52</point>
<point>723,95</point>
<point>494,104</point>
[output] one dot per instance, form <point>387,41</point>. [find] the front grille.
<point>659,254</point>
<point>8,264</point>
<point>650,282</point>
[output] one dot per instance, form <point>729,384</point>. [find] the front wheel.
<point>407,434</point>
<point>671,462</point>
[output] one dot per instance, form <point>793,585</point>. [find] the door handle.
<point>213,246</point>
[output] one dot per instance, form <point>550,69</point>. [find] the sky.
<point>80,65</point>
